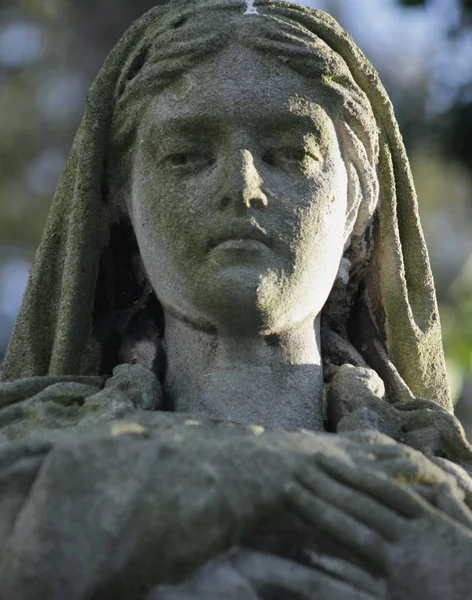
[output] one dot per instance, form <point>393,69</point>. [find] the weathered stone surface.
<point>238,213</point>
<point>67,404</point>
<point>140,385</point>
<point>356,401</point>
<point>249,575</point>
<point>169,495</point>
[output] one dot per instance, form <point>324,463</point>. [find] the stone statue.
<point>226,379</point>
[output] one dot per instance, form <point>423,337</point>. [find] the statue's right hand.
<point>113,514</point>
<point>130,507</point>
<point>50,406</point>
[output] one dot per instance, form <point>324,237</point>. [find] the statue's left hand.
<point>51,406</point>
<point>357,401</point>
<point>434,431</point>
<point>421,551</point>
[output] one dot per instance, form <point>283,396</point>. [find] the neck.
<point>273,381</point>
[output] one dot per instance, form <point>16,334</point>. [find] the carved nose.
<point>245,185</point>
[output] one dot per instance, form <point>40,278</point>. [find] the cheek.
<point>322,223</point>
<point>167,227</point>
<point>322,234</point>
<point>151,220</point>
<point>324,212</point>
<point>152,209</point>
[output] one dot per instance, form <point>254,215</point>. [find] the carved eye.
<point>287,155</point>
<point>189,160</point>
<point>295,154</point>
<point>299,155</point>
<point>180,160</point>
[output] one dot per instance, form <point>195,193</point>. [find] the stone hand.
<point>55,406</point>
<point>148,506</point>
<point>434,431</point>
<point>444,485</point>
<point>357,401</point>
<point>144,508</point>
<point>420,551</point>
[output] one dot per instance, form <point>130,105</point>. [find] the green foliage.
<point>457,321</point>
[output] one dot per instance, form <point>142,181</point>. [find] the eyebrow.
<point>183,122</point>
<point>190,123</point>
<point>291,120</point>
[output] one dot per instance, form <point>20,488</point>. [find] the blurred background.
<point>50,51</point>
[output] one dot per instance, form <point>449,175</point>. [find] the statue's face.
<point>239,194</point>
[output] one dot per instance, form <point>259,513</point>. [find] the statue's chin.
<point>234,300</point>
<point>251,297</point>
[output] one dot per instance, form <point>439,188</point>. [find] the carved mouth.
<point>240,235</point>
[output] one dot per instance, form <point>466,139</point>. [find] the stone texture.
<point>218,204</point>
<point>122,508</point>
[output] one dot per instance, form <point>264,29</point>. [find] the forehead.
<point>240,85</point>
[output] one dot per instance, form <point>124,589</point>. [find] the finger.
<point>347,572</point>
<point>387,491</point>
<point>450,435</point>
<point>441,419</point>
<point>453,506</point>
<point>354,503</point>
<point>408,471</point>
<point>427,492</point>
<point>67,393</point>
<point>426,440</point>
<point>419,419</point>
<point>373,445</point>
<point>340,526</point>
<point>280,576</point>
<point>418,404</point>
<point>365,440</point>
<point>460,475</point>
<point>13,414</point>
<point>389,451</point>
<point>447,501</point>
